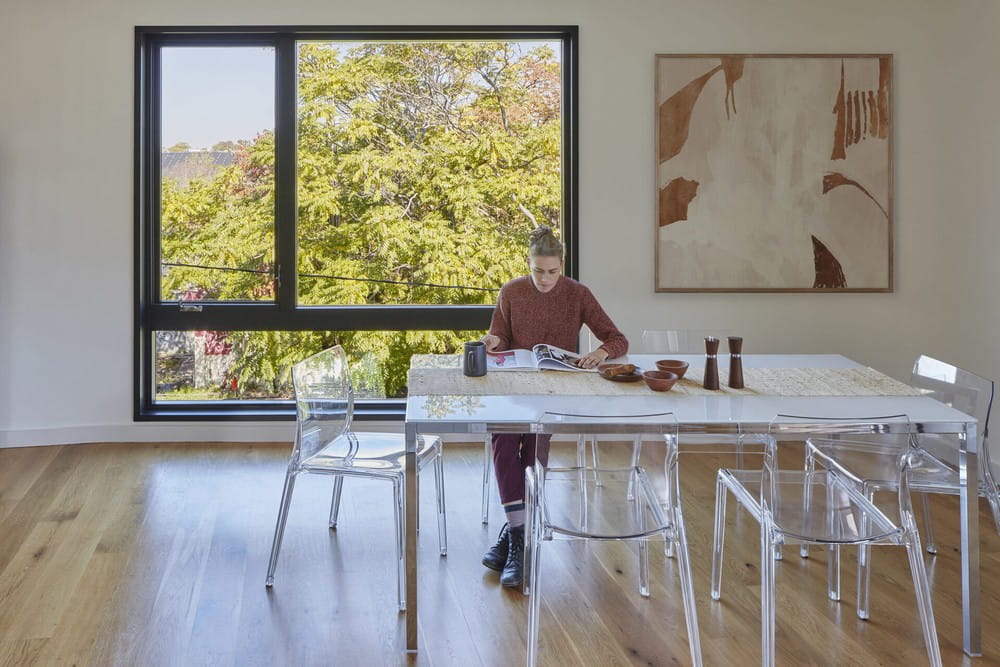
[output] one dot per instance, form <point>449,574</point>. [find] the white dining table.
<point>464,412</point>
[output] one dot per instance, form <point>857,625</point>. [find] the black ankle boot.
<point>513,569</point>
<point>496,557</point>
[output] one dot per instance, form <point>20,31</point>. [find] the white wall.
<point>66,102</point>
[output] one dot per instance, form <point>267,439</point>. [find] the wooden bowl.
<point>620,372</point>
<point>675,366</point>
<point>660,380</point>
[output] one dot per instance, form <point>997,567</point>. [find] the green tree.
<point>420,165</point>
<point>225,146</point>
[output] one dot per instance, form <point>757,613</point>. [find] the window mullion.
<point>286,97</point>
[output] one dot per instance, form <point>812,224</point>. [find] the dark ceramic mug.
<point>474,359</point>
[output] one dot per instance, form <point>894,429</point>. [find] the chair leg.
<point>810,468</point>
<point>595,455</point>
<point>687,587</point>
<point>397,506</point>
<point>833,572</point>
<point>581,464</point>
<point>864,581</point>
<point>338,486</point>
<point>530,521</point>
<point>766,595</point>
<point>922,588</point>
<point>279,528</point>
<point>719,537</point>
<point>928,525</point>
<point>534,600</point>
<point>636,453</point>
<point>669,488</point>
<point>487,467</point>
<point>643,546</point>
<point>865,569</point>
<point>832,551</point>
<point>439,488</point>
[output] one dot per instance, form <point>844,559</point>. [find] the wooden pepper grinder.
<point>711,363</point>
<point>736,362</point>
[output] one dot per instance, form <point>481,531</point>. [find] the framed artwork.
<point>773,173</point>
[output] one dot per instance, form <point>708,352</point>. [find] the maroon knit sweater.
<point>525,317</point>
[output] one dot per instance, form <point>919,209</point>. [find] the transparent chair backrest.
<point>680,341</point>
<point>896,430</point>
<point>324,400</point>
<point>661,423</point>
<point>955,387</point>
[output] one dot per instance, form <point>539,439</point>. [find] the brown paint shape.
<point>858,136</point>
<point>840,130</point>
<point>732,68</point>
<point>835,179</point>
<point>675,115</point>
<point>674,200</point>
<point>884,74</point>
<point>828,270</point>
<point>860,113</point>
<point>873,120</point>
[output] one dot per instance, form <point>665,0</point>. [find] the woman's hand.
<point>593,359</point>
<point>492,342</point>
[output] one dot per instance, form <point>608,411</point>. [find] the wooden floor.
<point>156,554</point>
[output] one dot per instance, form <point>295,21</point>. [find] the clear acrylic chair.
<point>866,459</point>
<point>325,444</point>
<point>826,505</point>
<point>679,341</point>
<point>565,503</point>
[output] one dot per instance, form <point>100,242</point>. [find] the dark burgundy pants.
<point>512,453</point>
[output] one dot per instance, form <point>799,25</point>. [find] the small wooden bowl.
<point>613,372</point>
<point>660,380</point>
<point>676,366</point>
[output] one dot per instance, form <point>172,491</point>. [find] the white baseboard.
<point>183,432</point>
<point>150,432</point>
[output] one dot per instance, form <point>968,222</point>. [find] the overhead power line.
<point>329,277</point>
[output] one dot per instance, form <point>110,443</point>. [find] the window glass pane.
<point>423,166</point>
<point>217,174</point>
<point>256,365</point>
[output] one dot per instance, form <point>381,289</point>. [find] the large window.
<point>298,188</point>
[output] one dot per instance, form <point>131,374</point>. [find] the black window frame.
<point>284,314</point>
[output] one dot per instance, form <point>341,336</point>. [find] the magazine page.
<point>552,358</point>
<point>510,360</point>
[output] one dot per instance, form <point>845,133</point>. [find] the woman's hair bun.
<point>543,242</point>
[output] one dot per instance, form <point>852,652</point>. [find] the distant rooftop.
<point>187,165</point>
<point>219,158</point>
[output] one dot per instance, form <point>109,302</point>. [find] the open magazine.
<point>540,358</point>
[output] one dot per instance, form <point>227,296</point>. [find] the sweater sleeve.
<point>500,323</point>
<point>612,340</point>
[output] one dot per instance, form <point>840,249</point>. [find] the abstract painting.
<point>774,173</point>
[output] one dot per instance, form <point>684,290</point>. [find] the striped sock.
<point>515,513</point>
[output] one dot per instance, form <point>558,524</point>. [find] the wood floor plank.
<point>19,652</point>
<point>49,474</point>
<point>20,470</point>
<point>155,554</point>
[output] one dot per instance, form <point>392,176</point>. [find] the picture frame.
<point>773,173</point>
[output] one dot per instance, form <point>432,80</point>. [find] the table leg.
<point>968,467</point>
<point>410,530</point>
